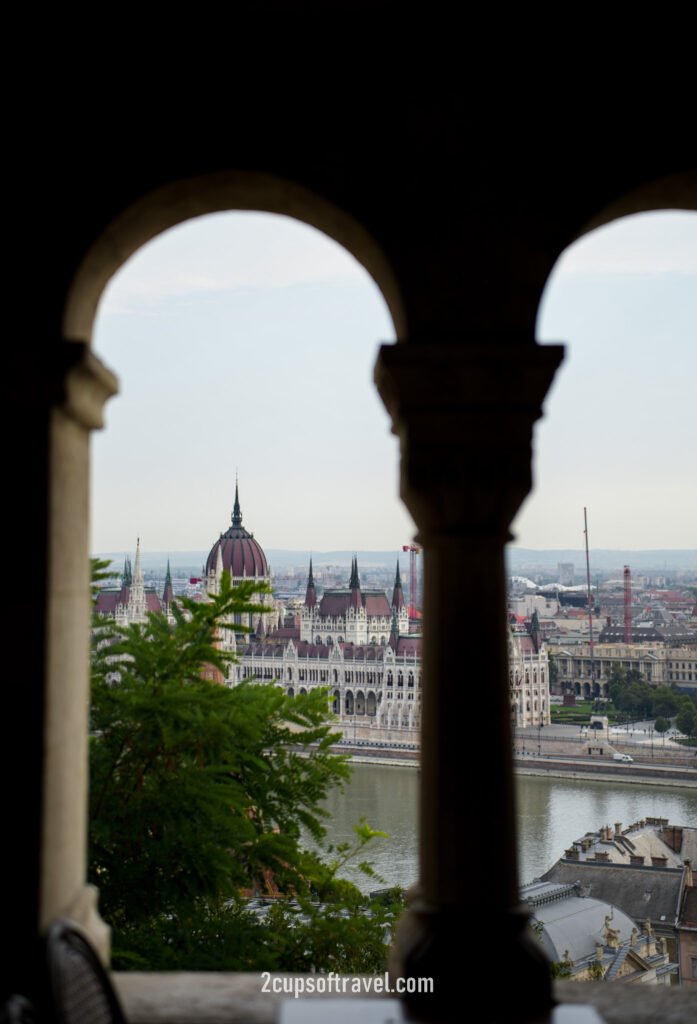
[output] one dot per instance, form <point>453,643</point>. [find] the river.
<point>551,813</point>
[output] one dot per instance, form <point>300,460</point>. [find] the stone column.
<point>464,416</point>
<point>82,385</point>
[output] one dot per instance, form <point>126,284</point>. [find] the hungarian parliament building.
<point>355,642</point>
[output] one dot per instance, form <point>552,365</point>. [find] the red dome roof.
<point>242,555</point>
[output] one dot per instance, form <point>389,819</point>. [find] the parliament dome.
<point>242,555</point>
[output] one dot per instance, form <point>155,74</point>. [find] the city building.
<point>687,932</point>
<point>658,662</point>
<point>133,600</point>
<point>645,870</point>
<point>592,940</point>
<point>528,676</point>
<point>352,641</point>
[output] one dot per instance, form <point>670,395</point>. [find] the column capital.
<point>464,415</point>
<point>81,384</point>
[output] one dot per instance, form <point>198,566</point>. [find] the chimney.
<point>618,828</point>
<point>689,881</point>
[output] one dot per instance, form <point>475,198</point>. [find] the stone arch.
<point>179,201</point>
<point>370,703</point>
<point>348,703</point>
<point>336,702</point>
<point>360,702</point>
<point>83,294</point>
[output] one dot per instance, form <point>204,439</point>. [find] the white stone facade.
<point>528,681</point>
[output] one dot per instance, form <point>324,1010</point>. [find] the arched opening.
<point>416,261</point>
<point>200,392</point>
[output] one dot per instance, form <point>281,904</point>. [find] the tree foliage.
<point>635,697</point>
<point>200,793</point>
<point>686,719</point>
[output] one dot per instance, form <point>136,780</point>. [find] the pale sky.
<point>246,342</point>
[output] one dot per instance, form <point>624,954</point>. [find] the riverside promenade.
<point>568,751</point>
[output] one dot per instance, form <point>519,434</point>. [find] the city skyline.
<point>245,343</point>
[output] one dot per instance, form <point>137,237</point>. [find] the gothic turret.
<point>168,592</point>
<point>356,599</point>
<point>397,593</point>
<point>310,594</point>
<point>137,602</point>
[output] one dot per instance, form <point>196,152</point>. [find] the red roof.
<point>242,555</point>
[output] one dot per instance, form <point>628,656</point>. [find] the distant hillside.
<point>602,560</point>
<point>278,558</point>
<point>518,560</point>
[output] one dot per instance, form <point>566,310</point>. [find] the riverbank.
<point>608,773</point>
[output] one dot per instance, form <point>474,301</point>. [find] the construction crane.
<point>590,600</point>
<point>413,552</point>
<point>627,605</point>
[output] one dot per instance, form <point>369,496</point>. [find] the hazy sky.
<point>247,341</point>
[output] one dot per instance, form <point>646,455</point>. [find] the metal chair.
<point>81,990</point>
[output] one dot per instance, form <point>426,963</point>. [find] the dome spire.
<point>236,513</point>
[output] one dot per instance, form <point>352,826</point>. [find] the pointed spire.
<point>168,592</point>
<point>127,577</point>
<point>236,512</point>
<point>138,574</point>
<point>310,594</point>
<point>398,593</point>
<point>356,599</point>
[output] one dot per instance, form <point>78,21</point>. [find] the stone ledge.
<point>230,998</point>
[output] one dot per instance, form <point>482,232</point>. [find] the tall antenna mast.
<point>590,600</point>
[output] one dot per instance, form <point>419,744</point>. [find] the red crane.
<point>627,605</point>
<point>413,552</point>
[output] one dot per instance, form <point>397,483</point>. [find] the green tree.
<point>661,724</point>
<point>686,719</point>
<point>665,702</point>
<point>200,792</point>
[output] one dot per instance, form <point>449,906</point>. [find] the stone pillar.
<point>464,416</point>
<point>82,386</point>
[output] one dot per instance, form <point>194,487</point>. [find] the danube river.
<point>551,813</point>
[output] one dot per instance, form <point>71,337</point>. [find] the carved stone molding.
<point>85,386</point>
<point>464,416</point>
